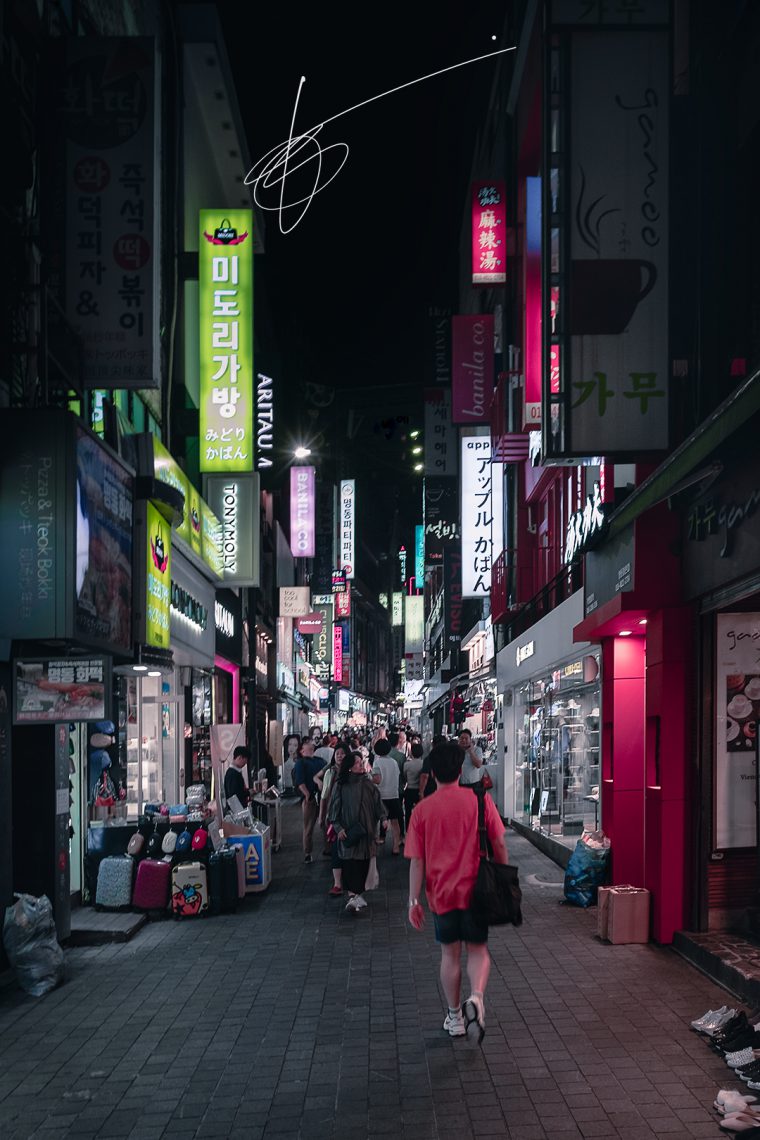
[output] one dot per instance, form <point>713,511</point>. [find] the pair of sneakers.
<point>710,1022</point>
<point>356,902</point>
<point>470,1020</point>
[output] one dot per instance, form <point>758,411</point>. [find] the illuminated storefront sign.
<point>211,540</point>
<point>397,609</point>
<point>322,646</point>
<point>337,651</point>
<point>224,621</point>
<point>302,512</point>
<point>472,339</point>
<point>523,652</point>
<point>225,293</point>
<point>158,578</point>
<point>295,601</point>
<point>482,507</point>
<point>414,626</point>
<point>489,233</point>
<point>532,293</point>
<point>585,525</point>
<point>166,468</point>
<point>234,499</point>
<point>343,604</point>
<point>347,524</point>
<point>186,606</point>
<point>264,421</point>
<point>419,557</point>
<point>402,565</point>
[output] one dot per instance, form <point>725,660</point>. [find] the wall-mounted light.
<point>624,633</point>
<point>643,621</point>
<point>416,451</point>
<point>418,466</point>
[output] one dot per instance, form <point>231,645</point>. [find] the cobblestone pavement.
<point>295,1019</point>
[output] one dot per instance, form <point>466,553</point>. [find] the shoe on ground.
<point>335,891</point>
<point>359,902</point>
<point>307,859</point>
<point>351,904</point>
<point>731,1100</point>
<point>474,1018</point>
<point>454,1024</point>
<point>709,1018</point>
<point>719,1024</point>
<point>749,1072</point>
<point>742,1058</point>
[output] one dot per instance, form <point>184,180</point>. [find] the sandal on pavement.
<point>741,1122</point>
<point>731,1100</point>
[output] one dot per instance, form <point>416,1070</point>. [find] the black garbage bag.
<point>30,942</point>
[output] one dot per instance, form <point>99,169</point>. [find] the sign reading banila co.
<point>472,368</point>
<point>302,512</point>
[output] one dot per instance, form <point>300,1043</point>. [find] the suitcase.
<point>223,881</point>
<point>189,890</point>
<point>240,859</point>
<point>114,890</point>
<point>152,885</point>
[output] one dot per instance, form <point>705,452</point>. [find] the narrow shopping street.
<point>294,1018</point>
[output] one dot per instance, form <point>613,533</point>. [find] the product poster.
<point>737,704</point>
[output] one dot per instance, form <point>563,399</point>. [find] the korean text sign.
<point>158,578</point>
<point>489,234</point>
<point>225,295</point>
<point>111,231</point>
<point>347,507</point>
<point>481,513</point>
<point>441,449</point>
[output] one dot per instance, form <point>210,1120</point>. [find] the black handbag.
<point>497,897</point>
<point>354,834</point>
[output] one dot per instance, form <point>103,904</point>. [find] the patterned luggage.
<point>189,890</point>
<point>152,885</point>
<point>223,881</point>
<point>114,890</point>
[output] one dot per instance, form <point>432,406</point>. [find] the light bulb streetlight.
<point>302,452</point>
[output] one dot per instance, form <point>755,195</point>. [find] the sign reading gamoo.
<point>472,368</point>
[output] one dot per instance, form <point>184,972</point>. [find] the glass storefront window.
<point>557,729</point>
<point>148,740</point>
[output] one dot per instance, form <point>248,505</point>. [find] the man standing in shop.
<point>472,768</point>
<point>306,779</point>
<point>234,784</point>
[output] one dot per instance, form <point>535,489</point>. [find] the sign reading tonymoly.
<point>225,291</point>
<point>234,499</point>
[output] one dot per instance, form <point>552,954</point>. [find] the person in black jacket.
<point>234,784</point>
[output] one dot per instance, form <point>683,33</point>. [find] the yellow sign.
<point>159,577</point>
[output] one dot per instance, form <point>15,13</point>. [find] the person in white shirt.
<point>472,769</point>
<point>385,774</point>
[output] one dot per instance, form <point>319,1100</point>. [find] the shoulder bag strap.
<point>482,833</point>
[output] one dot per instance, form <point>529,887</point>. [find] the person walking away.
<point>472,768</point>
<point>400,755</point>
<point>443,847</point>
<point>385,774</point>
<point>355,801</point>
<point>305,775</point>
<point>412,772</point>
<point>427,779</point>
<point>325,750</point>
<point>234,784</point>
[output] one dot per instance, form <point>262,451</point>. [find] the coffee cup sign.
<point>605,293</point>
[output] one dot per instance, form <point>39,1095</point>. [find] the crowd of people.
<point>356,790</point>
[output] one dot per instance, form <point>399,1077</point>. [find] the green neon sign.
<point>166,468</point>
<point>158,578</point>
<point>225,294</point>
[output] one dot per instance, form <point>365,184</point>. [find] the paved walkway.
<point>295,1019</point>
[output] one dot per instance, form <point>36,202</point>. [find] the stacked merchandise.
<point>735,1036</point>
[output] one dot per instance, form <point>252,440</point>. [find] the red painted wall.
<point>623,755</point>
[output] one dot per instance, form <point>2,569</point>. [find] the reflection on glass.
<point>554,250</point>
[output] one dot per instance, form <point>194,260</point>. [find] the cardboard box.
<point>628,915</point>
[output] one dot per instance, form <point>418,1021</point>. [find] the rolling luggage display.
<point>223,881</point>
<point>189,891</point>
<point>114,889</point>
<point>152,885</point>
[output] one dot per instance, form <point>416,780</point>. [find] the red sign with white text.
<point>337,651</point>
<point>310,623</point>
<point>472,369</point>
<point>343,604</point>
<point>489,233</point>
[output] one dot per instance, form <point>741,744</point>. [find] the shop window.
<point>557,727</point>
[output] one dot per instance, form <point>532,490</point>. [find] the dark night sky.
<point>349,287</point>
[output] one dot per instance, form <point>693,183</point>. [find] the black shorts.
<point>393,808</point>
<point>459,926</point>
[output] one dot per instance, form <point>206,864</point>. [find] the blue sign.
<point>256,859</point>
<point>419,557</point>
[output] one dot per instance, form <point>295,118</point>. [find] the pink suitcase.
<point>152,886</point>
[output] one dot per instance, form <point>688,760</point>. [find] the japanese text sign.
<point>489,233</point>
<point>472,368</point>
<point>481,513</point>
<point>302,512</point>
<point>347,507</point>
<point>225,296</point>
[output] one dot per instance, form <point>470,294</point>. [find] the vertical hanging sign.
<point>158,578</point>
<point>338,652</point>
<point>472,362</point>
<point>225,293</point>
<point>347,525</point>
<point>481,514</point>
<point>419,557</point>
<point>532,295</point>
<point>489,234</point>
<point>302,512</point>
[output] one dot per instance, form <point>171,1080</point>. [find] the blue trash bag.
<point>587,869</point>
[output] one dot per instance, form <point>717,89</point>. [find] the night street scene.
<point>380,570</point>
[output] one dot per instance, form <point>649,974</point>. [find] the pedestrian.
<point>355,805</point>
<point>324,751</point>
<point>427,779</point>
<point>412,772</point>
<point>290,748</point>
<point>234,784</point>
<point>386,775</point>
<point>328,775</point>
<point>308,766</point>
<point>444,849</point>
<point>472,769</point>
